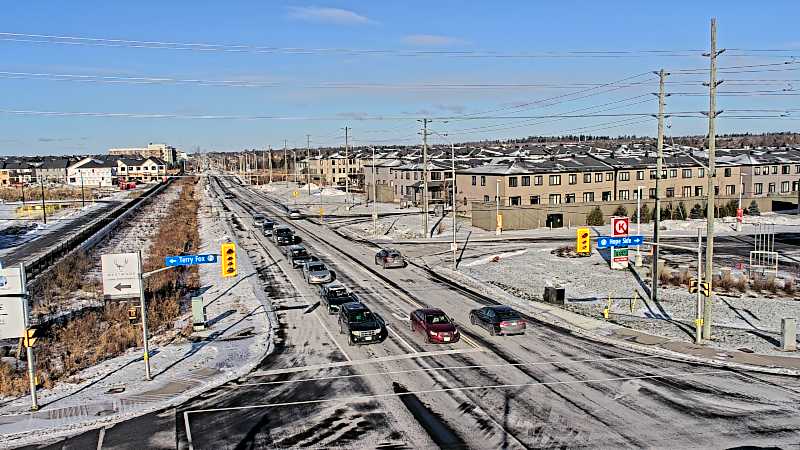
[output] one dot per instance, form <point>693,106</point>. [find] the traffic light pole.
<point>28,348</point>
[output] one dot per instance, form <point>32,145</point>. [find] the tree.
<point>753,209</point>
<point>645,214</point>
<point>681,211</point>
<point>696,212</point>
<point>595,217</point>
<point>621,211</point>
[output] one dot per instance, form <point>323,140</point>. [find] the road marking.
<point>330,335</point>
<point>399,317</point>
<point>447,368</point>
<point>369,397</point>
<point>397,335</point>
<point>359,362</point>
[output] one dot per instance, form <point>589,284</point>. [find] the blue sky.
<point>510,27</point>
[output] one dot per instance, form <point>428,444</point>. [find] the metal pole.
<point>346,166</point>
<point>741,188</point>
<point>425,177</point>
<point>83,197</point>
<point>308,165</point>
<point>374,196</point>
<point>659,166</point>
<point>270,164</point>
<point>455,242</point>
<point>28,349</point>
<point>498,230</point>
<point>44,210</point>
<point>144,320</point>
<point>294,156</point>
<point>285,165</point>
<point>638,262</point>
<point>712,143</point>
<point>698,323</point>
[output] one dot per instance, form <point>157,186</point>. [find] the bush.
<point>753,210</point>
<point>697,212</point>
<point>621,211</point>
<point>595,217</point>
<point>789,286</point>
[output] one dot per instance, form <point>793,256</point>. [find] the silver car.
<point>295,214</point>
<point>315,272</point>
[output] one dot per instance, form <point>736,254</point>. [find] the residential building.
<point>93,172</point>
<point>163,152</point>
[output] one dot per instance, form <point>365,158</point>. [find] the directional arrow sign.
<point>121,273</point>
<point>623,241</point>
<point>189,260</point>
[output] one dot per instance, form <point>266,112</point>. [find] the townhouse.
<point>94,172</point>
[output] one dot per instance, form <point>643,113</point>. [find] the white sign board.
<point>121,273</point>
<point>11,282</point>
<point>12,317</point>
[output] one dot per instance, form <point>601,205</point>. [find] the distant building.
<point>163,152</point>
<point>53,170</point>
<point>141,170</point>
<point>93,172</point>
<point>16,172</point>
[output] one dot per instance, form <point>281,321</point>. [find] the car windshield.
<point>340,292</point>
<point>257,217</point>
<point>436,318</point>
<point>360,316</point>
<point>316,268</point>
<point>283,232</point>
<point>507,315</point>
<point>299,252</point>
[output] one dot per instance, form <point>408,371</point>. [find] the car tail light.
<point>505,324</point>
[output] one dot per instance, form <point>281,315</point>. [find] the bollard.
<point>789,334</point>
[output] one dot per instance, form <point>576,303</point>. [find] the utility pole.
<point>453,202</point>
<point>28,349</point>
<point>270,164</point>
<point>294,156</point>
<point>659,169</point>
<point>712,144</point>
<point>83,197</point>
<point>285,164</point>
<point>425,177</point>
<point>143,306</point>
<point>44,210</point>
<point>308,164</point>
<point>347,167</point>
<point>374,196</point>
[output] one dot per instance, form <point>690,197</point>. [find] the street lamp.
<point>374,196</point>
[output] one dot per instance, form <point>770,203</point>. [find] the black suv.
<point>298,255</point>
<point>333,295</point>
<point>361,325</point>
<point>283,235</point>
<point>267,226</point>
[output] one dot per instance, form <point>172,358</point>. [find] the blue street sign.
<point>189,260</point>
<point>622,241</point>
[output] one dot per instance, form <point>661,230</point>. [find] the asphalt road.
<point>544,389</point>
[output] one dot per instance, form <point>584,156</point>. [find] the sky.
<point>261,72</point>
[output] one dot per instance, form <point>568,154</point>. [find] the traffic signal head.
<point>228,256</point>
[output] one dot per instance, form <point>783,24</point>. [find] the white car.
<point>315,272</point>
<point>295,214</point>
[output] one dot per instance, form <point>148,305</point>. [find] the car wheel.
<point>472,319</point>
<point>341,329</point>
<point>428,339</point>
<point>384,266</point>
<point>493,331</point>
<point>350,341</point>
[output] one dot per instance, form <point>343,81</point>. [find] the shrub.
<point>789,286</point>
<point>621,211</point>
<point>645,214</point>
<point>595,217</point>
<point>753,210</point>
<point>726,282</point>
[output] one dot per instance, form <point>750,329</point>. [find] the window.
<point>651,193</point>
<point>757,170</point>
<point>687,191</point>
<point>774,170</point>
<point>701,172</point>
<point>765,170</point>
<point>653,175</point>
<point>516,201</point>
<point>587,178</point>
<point>415,175</point>
<point>786,170</point>
<point>716,190</point>
<point>624,176</point>
<point>758,188</point>
<point>526,180</point>
<point>771,188</point>
<point>698,191</point>
<point>795,184</point>
<point>569,198</point>
<point>687,173</point>
<point>664,174</point>
<point>555,180</point>
<point>122,169</point>
<point>436,175</point>
<point>537,180</point>
<point>474,180</point>
<point>673,173</point>
<point>727,172</point>
<point>535,200</point>
<point>609,176</point>
<point>554,199</point>
<point>588,197</point>
<point>785,186</point>
<point>606,196</point>
<point>598,178</point>
<point>623,195</point>
<point>512,181</point>
<point>483,180</point>
<point>573,179</point>
<point>640,175</point>
<point>797,168</point>
<point>670,192</point>
<point>730,189</point>
<point>485,199</point>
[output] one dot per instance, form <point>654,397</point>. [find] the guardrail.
<point>90,235</point>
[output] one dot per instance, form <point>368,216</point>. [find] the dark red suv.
<point>434,325</point>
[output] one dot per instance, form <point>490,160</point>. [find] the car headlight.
<point>355,333</point>
<point>433,333</point>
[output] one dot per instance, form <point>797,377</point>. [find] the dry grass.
<point>725,282</point>
<point>34,192</point>
<point>789,286</point>
<point>97,335</point>
<point>764,284</point>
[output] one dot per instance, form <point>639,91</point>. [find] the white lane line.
<point>447,368</point>
<point>359,362</point>
<point>399,317</point>
<point>101,438</point>
<point>188,429</point>
<point>461,388</point>
<point>330,335</point>
<point>397,335</point>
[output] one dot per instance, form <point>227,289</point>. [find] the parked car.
<point>333,295</point>
<point>389,257</point>
<point>295,214</point>
<point>259,219</point>
<point>267,227</point>
<point>498,320</point>
<point>434,324</point>
<point>361,325</point>
<point>298,255</point>
<point>315,272</point>
<point>283,235</point>
<point>229,195</point>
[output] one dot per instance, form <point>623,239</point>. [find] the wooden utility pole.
<point>659,169</point>
<point>711,173</point>
<point>347,166</point>
<point>270,164</point>
<point>308,164</point>
<point>285,164</point>
<point>425,178</point>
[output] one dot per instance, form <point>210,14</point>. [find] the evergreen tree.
<point>696,212</point>
<point>595,217</point>
<point>645,214</point>
<point>621,211</point>
<point>753,209</point>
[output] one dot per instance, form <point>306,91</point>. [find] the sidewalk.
<point>633,340</point>
<point>240,335</point>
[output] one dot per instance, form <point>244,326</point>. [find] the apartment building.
<point>164,152</point>
<point>141,170</point>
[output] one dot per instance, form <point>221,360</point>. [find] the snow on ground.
<point>749,321</point>
<point>239,336</point>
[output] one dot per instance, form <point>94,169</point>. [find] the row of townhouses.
<point>90,171</point>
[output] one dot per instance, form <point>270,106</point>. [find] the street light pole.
<point>83,197</point>
<point>497,207</point>
<point>453,202</point>
<point>741,188</point>
<point>374,196</point>
<point>659,169</point>
<point>346,166</point>
<point>308,165</point>
<point>44,210</point>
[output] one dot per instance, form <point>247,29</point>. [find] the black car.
<point>498,320</point>
<point>267,226</point>
<point>361,325</point>
<point>298,255</point>
<point>334,294</point>
<point>283,235</point>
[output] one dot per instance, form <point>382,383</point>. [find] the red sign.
<point>619,226</point>
<point>739,215</point>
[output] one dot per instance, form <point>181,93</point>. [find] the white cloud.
<point>327,15</point>
<point>431,40</point>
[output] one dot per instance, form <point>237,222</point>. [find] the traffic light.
<point>31,337</point>
<point>583,243</point>
<point>228,254</point>
<point>692,286</point>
